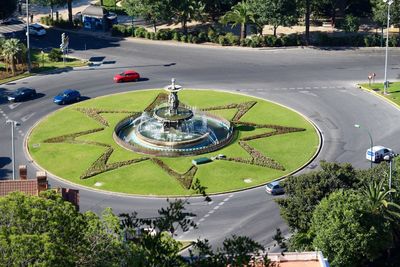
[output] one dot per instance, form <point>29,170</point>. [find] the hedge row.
<point>278,130</point>
<point>185,179</point>
<point>70,138</point>
<point>229,39</point>
<point>242,108</point>
<point>94,113</point>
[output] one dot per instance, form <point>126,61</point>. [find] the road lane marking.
<point>27,117</point>
<point>12,106</point>
<point>308,93</point>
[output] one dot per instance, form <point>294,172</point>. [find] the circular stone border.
<point>123,194</point>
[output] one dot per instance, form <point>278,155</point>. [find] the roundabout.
<point>316,82</point>
<point>121,143</point>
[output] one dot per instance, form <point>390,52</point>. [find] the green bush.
<point>184,38</point>
<point>372,40</point>
<point>150,35</point>
<point>394,41</point>
<point>245,42</point>
<point>270,40</point>
<point>118,30</point>
<point>164,34</point>
<point>195,39</point>
<point>176,36</point>
<point>232,39</point>
<point>202,36</point>
<point>189,38</point>
<point>350,24</point>
<point>55,55</point>
<point>212,36</point>
<point>222,40</point>
<point>140,32</point>
<point>257,41</point>
<point>291,40</point>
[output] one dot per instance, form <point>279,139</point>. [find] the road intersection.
<point>318,83</point>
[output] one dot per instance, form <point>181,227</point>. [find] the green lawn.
<point>393,90</point>
<point>69,161</point>
<point>41,63</point>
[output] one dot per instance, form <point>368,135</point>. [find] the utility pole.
<point>27,36</point>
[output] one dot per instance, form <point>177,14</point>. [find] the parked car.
<point>274,188</point>
<point>22,94</point>
<point>378,153</point>
<point>36,29</point>
<point>127,76</point>
<point>67,96</point>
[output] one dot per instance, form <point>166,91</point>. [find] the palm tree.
<point>240,14</point>
<point>378,196</point>
<point>11,48</point>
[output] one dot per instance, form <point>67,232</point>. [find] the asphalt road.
<point>316,82</point>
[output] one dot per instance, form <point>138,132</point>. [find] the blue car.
<point>67,96</point>
<point>274,188</point>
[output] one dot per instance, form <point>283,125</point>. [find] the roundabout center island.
<point>144,142</point>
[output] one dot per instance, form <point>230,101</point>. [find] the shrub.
<point>189,38</point>
<point>118,30</point>
<point>350,23</point>
<point>164,34</point>
<point>245,42</point>
<point>140,32</point>
<point>55,55</point>
<point>257,41</point>
<point>176,36</point>
<point>212,36</point>
<point>150,35</point>
<point>184,38</point>
<point>232,39</point>
<point>394,41</point>
<point>202,36</point>
<point>222,40</point>
<point>195,40</point>
<point>371,40</point>
<point>270,40</point>
<point>290,40</point>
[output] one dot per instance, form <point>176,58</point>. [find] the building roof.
<point>29,187</point>
<point>94,11</point>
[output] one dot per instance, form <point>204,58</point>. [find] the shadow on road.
<point>4,172</point>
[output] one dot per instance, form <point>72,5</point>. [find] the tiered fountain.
<point>172,129</point>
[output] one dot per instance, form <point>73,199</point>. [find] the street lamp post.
<point>27,36</point>
<point>13,124</point>
<point>370,138</point>
<point>385,83</point>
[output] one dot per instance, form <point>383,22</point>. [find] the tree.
<point>304,192</point>
<point>379,12</point>
<point>47,231</point>
<point>50,3</point>
<point>347,232</point>
<point>153,11</point>
<point>216,8</point>
<point>235,251</point>
<point>240,14</point>
<point>69,7</point>
<point>184,11</point>
<point>275,12</point>
<point>10,50</point>
<point>7,8</point>
<point>378,199</point>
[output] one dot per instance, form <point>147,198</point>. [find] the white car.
<point>36,29</point>
<point>377,153</point>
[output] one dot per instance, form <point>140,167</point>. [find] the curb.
<point>30,159</point>
<point>381,96</point>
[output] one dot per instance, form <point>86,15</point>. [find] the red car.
<point>127,76</point>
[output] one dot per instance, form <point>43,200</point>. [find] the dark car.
<point>22,94</point>
<point>67,96</point>
<point>274,188</point>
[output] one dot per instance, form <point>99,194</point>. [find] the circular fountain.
<point>173,129</point>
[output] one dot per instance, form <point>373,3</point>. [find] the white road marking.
<point>308,93</point>
<point>216,207</point>
<point>12,106</point>
<point>27,117</point>
<point>211,211</point>
<point>205,216</point>
<point>201,220</point>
